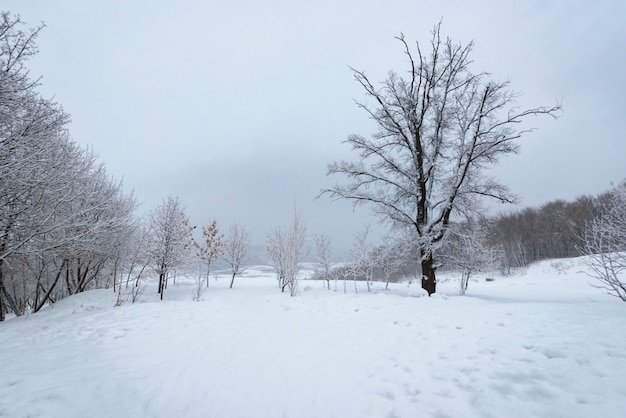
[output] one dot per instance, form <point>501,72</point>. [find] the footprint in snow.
<point>553,353</point>
<point>388,395</point>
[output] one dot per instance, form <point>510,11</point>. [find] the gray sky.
<point>237,106</point>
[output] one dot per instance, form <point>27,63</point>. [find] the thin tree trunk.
<point>67,278</point>
<point>40,304</point>
<point>139,276</point>
<point>7,297</point>
<point>232,280</point>
<point>115,274</point>
<point>1,305</point>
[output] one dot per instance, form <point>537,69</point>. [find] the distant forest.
<point>553,230</point>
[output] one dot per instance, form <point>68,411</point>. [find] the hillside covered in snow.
<point>540,343</point>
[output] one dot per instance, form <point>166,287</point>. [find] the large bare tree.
<point>440,125</point>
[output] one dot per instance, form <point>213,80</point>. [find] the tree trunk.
<point>3,292</point>
<point>208,270</point>
<point>465,275</point>
<point>161,285</point>
<point>232,280</point>
<point>1,307</point>
<point>429,283</point>
<point>41,303</point>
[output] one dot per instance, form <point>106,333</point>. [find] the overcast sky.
<point>237,106</point>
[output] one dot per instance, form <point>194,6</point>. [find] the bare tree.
<point>62,219</point>
<point>198,288</point>
<point>277,255</point>
<point>236,250</point>
<point>605,244</point>
<point>440,127</point>
<point>467,249</point>
<point>390,256</point>
<point>323,258</point>
<point>171,238</point>
<point>134,261</point>
<point>360,259</point>
<point>212,246</point>
<point>285,253</point>
<point>296,237</point>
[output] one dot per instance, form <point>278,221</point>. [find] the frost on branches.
<point>605,244</point>
<point>440,125</point>
<point>211,247</point>
<point>170,238</point>
<point>285,250</point>
<point>236,250</point>
<point>63,220</point>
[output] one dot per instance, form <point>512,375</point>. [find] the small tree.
<point>361,262</point>
<point>605,244</point>
<point>467,250</point>
<point>323,258</point>
<point>390,257</point>
<point>277,256</point>
<point>236,248</point>
<point>198,288</point>
<point>296,237</point>
<point>285,252</point>
<point>171,238</point>
<point>212,246</point>
<point>440,126</point>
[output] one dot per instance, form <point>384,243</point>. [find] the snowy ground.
<point>542,343</point>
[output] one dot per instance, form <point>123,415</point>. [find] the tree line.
<point>66,226</point>
<point>553,230</point>
<point>61,216</point>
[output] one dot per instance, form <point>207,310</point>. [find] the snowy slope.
<point>542,343</point>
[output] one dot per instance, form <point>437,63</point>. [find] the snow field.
<point>542,343</point>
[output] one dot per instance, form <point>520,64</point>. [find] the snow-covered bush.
<point>605,244</point>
